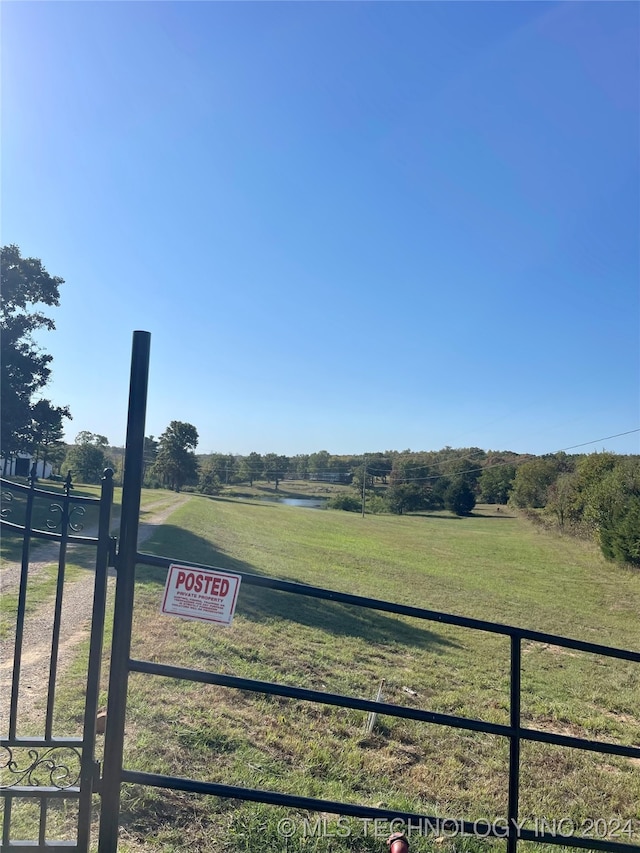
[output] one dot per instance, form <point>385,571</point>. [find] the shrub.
<point>349,503</point>
<point>620,535</point>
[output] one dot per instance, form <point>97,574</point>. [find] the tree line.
<point>594,495</point>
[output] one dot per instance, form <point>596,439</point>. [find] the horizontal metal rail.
<point>36,533</point>
<point>407,610</point>
<point>45,493</point>
<point>72,792</point>
<point>50,742</point>
<point>480,828</point>
<point>386,708</point>
<point>48,847</point>
<point>35,847</point>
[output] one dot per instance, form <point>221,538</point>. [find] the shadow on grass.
<point>439,516</point>
<point>260,604</point>
<point>270,492</point>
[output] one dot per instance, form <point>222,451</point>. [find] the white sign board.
<point>206,594</point>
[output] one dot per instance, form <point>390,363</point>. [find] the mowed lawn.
<point>492,566</point>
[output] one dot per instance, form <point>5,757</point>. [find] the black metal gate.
<point>114,773</point>
<point>40,767</point>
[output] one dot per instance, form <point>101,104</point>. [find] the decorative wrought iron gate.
<point>37,769</point>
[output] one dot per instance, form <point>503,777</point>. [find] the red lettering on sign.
<point>180,580</point>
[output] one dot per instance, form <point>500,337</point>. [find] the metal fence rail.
<point>514,732</point>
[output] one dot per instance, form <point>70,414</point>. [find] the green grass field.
<point>491,566</point>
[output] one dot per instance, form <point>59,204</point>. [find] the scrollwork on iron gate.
<point>6,497</point>
<point>53,766</point>
<point>55,523</point>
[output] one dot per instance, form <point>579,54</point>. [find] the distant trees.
<point>319,463</point>
<point>87,459</point>
<point>597,495</point>
<point>532,481</point>
<point>275,467</point>
<point>176,464</point>
<point>24,366</point>
<point>495,483</point>
<point>251,467</point>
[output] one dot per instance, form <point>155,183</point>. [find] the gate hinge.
<point>96,781</point>
<point>113,542</point>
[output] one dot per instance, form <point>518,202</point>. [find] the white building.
<point>20,466</point>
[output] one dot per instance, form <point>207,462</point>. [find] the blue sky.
<point>348,226</point>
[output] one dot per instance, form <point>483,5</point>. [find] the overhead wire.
<point>453,459</point>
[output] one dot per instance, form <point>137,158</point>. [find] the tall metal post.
<point>89,768</point>
<point>123,613</point>
<point>514,745</point>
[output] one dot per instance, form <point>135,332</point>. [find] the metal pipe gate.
<point>114,774</point>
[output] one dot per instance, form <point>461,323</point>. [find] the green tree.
<point>319,463</point>
<point>408,468</point>
<point>597,492</point>
<point>24,367</point>
<point>380,466</point>
<point>251,467</point>
<point>149,456</point>
<point>86,459</point>
<point>459,497</point>
<point>47,431</point>
<point>532,481</point>
<point>300,465</point>
<point>495,483</point>
<point>404,497</point>
<point>223,466</point>
<point>209,481</point>
<point>176,464</point>
<point>275,467</point>
<point>361,473</point>
<point>561,498</point>
<point>620,534</point>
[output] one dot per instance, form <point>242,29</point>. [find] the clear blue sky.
<point>348,226</point>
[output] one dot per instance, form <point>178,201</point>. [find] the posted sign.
<point>206,594</point>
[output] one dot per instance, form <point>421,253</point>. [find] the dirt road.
<point>76,617</point>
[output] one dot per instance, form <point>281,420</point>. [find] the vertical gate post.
<point>88,770</point>
<point>514,745</point>
<point>123,613</point>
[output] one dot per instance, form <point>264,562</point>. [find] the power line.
<point>453,459</point>
<point>606,438</point>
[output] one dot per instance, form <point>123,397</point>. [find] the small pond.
<point>309,503</point>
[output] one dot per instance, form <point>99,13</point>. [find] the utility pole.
<point>364,484</point>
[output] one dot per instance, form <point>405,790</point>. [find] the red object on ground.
<point>397,843</point>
